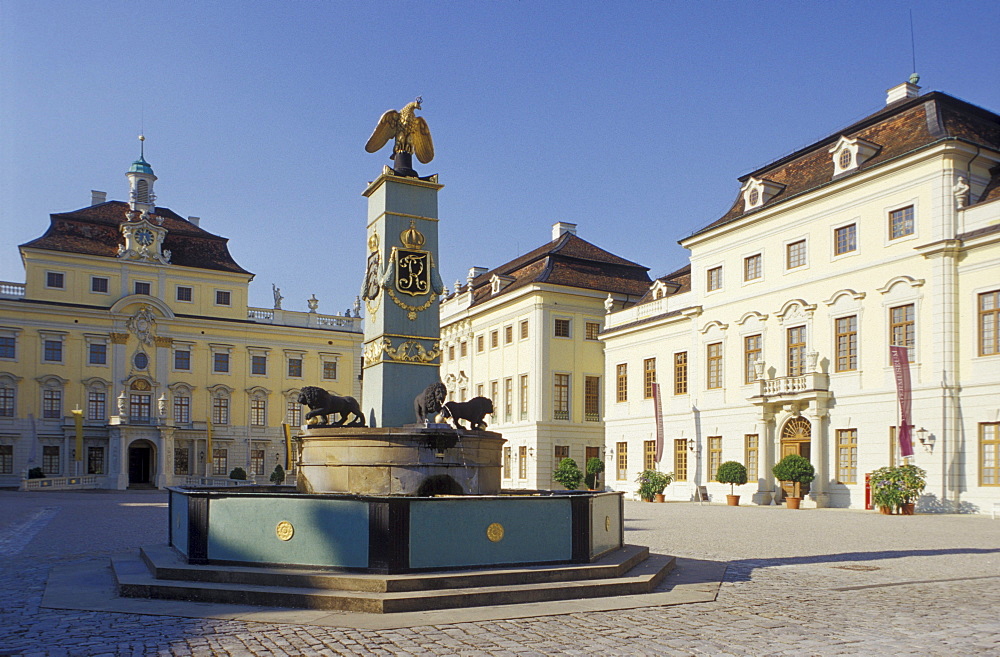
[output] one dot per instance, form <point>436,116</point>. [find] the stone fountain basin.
<point>277,526</point>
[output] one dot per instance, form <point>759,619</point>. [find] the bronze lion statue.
<point>323,404</point>
<point>474,410</point>
<point>428,403</point>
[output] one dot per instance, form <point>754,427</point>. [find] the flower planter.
<point>907,508</point>
<point>733,500</point>
<point>658,497</point>
<point>792,502</point>
<point>885,510</point>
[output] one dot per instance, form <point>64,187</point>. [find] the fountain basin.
<point>277,527</point>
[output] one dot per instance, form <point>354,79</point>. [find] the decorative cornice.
<point>163,341</point>
<point>119,338</point>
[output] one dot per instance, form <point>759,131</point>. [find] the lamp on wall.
<point>925,440</point>
<point>691,444</point>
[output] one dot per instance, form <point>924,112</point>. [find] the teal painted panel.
<point>179,521</point>
<point>452,532</point>
<point>326,532</point>
<point>606,523</point>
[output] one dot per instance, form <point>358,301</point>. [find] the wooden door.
<point>795,439</point>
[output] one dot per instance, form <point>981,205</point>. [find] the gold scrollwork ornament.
<point>284,530</point>
<point>495,532</point>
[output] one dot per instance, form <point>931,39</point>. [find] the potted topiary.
<point>278,476</point>
<point>796,469</point>
<point>652,484</point>
<point>568,474</point>
<point>732,473</point>
<point>238,474</point>
<point>897,488</point>
<point>595,467</point>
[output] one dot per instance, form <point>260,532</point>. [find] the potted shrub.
<point>734,474</point>
<point>796,469</point>
<point>896,489</point>
<point>569,474</point>
<point>595,467</point>
<point>652,484</point>
<point>278,476</point>
<point>239,474</point>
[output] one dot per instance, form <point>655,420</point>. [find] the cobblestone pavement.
<point>808,582</point>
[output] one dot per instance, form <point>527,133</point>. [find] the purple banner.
<point>901,368</point>
<point>658,412</point>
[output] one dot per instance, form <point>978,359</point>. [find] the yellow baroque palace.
<point>138,319</point>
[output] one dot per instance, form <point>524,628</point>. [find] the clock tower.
<point>143,230</point>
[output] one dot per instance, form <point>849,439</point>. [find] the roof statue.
<point>411,134</point>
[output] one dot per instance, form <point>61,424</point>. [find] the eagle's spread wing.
<point>384,131</point>
<point>423,147</point>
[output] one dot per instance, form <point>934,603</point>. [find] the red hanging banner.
<point>901,368</point>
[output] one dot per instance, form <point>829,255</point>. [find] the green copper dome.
<point>141,166</point>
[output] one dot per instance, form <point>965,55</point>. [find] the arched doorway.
<point>796,437</point>
<point>140,464</point>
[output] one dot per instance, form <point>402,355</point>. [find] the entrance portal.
<point>795,439</point>
<point>140,463</point>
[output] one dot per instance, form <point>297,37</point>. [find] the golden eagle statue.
<point>411,133</point>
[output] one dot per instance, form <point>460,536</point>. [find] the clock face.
<point>144,237</point>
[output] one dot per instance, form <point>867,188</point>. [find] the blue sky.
<point>631,119</point>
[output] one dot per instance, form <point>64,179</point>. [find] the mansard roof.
<point>94,230</point>
<point>568,261</point>
<point>898,129</point>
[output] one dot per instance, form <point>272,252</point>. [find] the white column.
<point>819,447</point>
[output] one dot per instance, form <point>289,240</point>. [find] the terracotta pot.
<point>658,497</point>
<point>885,510</point>
<point>733,500</point>
<point>793,502</point>
<point>907,509</point>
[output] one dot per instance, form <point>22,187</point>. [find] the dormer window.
<point>849,154</point>
<point>757,192</point>
<point>498,283</point>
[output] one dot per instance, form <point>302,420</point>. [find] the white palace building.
<point>775,339</point>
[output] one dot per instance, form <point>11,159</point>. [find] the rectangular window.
<point>95,460</point>
<point>463,349</point>
<point>751,352</point>
<point>901,222</point>
<point>183,293</point>
<point>258,412</point>
<point>714,456</point>
<point>621,382</point>
<point>223,298</point>
<point>97,353</point>
<point>847,343</point>
<point>495,391</point>
<point>6,402</point>
<point>989,454</point>
<point>142,288</point>
<point>752,267</point>
<point>50,459</point>
<point>99,284</point>
<point>257,461</point>
<point>220,410</point>
<point>295,367</point>
<point>330,370</point>
<point>258,365</point>
<point>6,459</point>
<point>220,362</point>
<point>55,279</point>
<point>562,328</point>
<point>648,377</point>
<point>220,462</point>
<point>524,329</point>
<point>494,339</point>
<point>714,279</point>
<point>795,254</point>
<point>52,404</point>
<point>508,334</point>
<point>681,373</point>
<point>796,350</point>
<point>508,399</point>
<point>524,397</point>
<point>462,394</point>
<point>293,413</point>
<point>97,406</point>
<point>8,347</point>
<point>714,365</point>
<point>182,462</point>
<point>751,442</point>
<point>506,463</point>
<point>182,409</point>
<point>847,456</point>
<point>592,399</point>
<point>53,351</point>
<point>593,330</point>
<point>845,239</point>
<point>680,460</point>
<point>479,390</point>
<point>901,327</point>
<point>451,352</point>
<point>559,453</point>
<point>989,324</point>
<point>480,344</point>
<point>560,397</point>
<point>522,462</point>
<point>621,470</point>
<point>140,407</point>
<point>649,455</point>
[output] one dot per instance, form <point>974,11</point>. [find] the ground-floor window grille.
<point>220,462</point>
<point>95,460</point>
